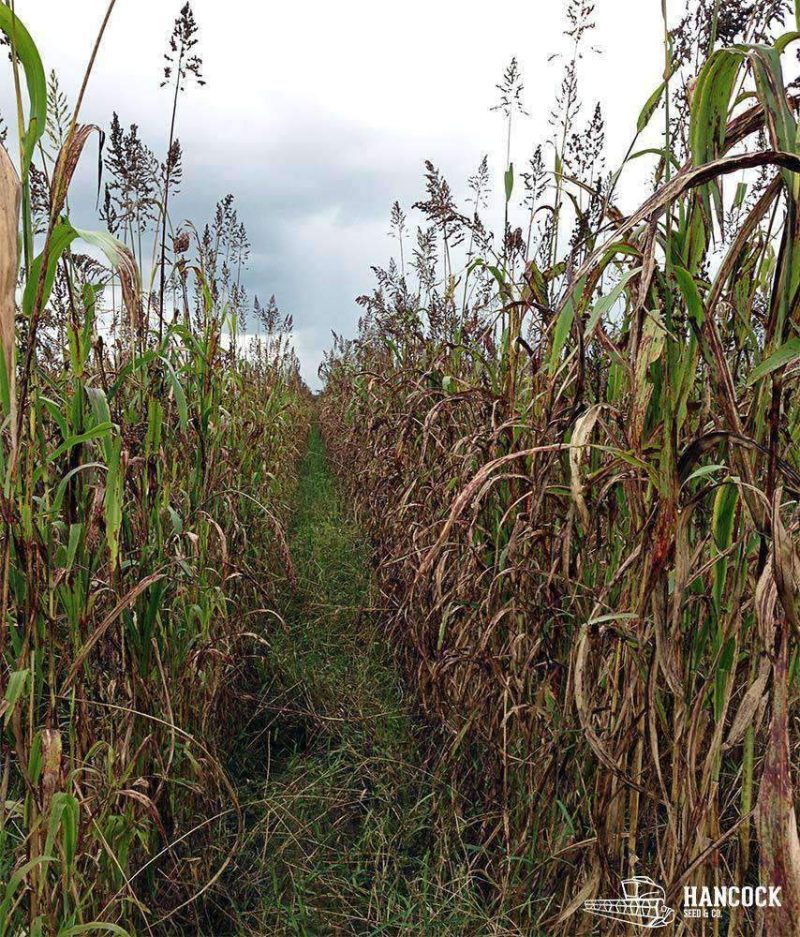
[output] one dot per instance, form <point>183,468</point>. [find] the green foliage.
<point>146,476</point>
<point>25,49</point>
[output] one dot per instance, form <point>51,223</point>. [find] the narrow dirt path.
<point>337,801</point>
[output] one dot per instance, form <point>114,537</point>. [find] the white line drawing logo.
<point>642,904</point>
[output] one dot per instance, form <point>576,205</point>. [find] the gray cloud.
<point>318,116</point>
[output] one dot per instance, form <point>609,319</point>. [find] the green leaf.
<point>94,927</point>
<point>62,237</point>
<point>75,534</point>
<point>112,502</point>
<point>62,485</point>
<point>509,181</point>
<point>711,103</point>
<point>564,324</point>
<point>535,281</point>
<point>31,61</point>
<point>177,391</point>
<point>177,522</point>
<point>99,404</point>
<point>705,470</point>
<point>691,295</point>
<point>136,364</point>
<point>770,86</point>
<point>64,811</point>
<point>666,155</point>
<point>35,759</point>
<point>5,386</point>
<point>650,106</point>
<point>13,884</point>
<point>114,250</point>
<point>567,818</point>
<point>721,676</point>
<point>786,354</point>
<point>724,514</point>
<point>96,432</point>
<point>606,303</point>
<point>17,683</point>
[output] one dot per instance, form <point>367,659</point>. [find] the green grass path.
<point>338,804</point>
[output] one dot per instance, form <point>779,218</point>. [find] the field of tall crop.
<point>146,468</point>
<point>505,615</point>
<point>577,460</point>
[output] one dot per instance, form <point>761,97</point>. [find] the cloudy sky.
<point>318,115</point>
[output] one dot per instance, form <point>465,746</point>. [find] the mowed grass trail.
<point>337,799</point>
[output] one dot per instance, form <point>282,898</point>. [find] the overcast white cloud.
<point>317,116</point>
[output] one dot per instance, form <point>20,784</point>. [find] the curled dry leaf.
<point>124,264</point>
<point>9,223</point>
<point>766,597</point>
<point>51,761</point>
<point>67,163</point>
<point>749,706</point>
<point>580,436</point>
<point>785,564</point>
